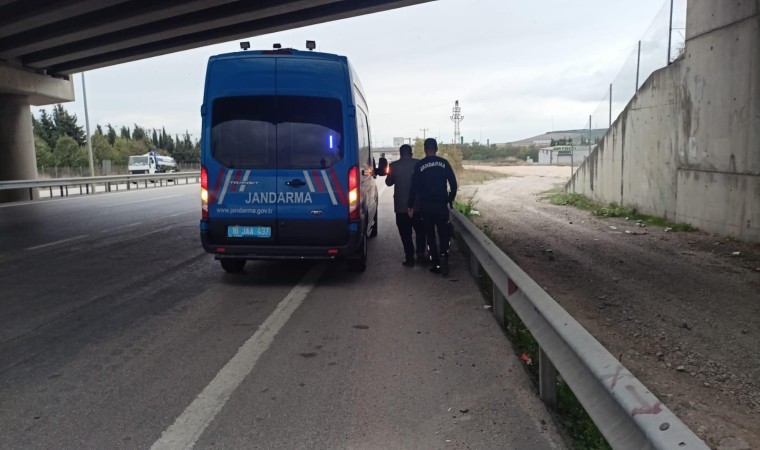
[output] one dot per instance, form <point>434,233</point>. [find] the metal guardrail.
<point>89,185</point>
<point>625,411</point>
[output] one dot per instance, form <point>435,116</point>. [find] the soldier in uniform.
<point>431,174</point>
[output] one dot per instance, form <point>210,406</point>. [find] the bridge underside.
<point>42,43</point>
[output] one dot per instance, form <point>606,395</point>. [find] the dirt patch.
<point>680,310</point>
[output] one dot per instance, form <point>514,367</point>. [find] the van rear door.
<point>313,163</point>
<point>242,165</point>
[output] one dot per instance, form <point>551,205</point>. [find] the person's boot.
<point>408,262</point>
<point>445,265</point>
<point>436,267</point>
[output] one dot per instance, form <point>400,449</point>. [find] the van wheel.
<point>373,232</point>
<point>232,265</point>
<point>358,263</point>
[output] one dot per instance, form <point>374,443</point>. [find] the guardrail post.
<point>498,305</point>
<point>547,380</point>
<point>474,266</point>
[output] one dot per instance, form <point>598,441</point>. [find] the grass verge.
<point>612,210</point>
<point>477,176</point>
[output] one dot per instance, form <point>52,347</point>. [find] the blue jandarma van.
<point>287,171</point>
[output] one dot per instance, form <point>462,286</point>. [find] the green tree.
<point>45,129</point>
<point>154,139</point>
<point>453,154</point>
<point>419,148</point>
<point>138,134</point>
<point>101,149</point>
<point>45,157</point>
<point>124,133</point>
<point>186,150</point>
<point>66,125</point>
<point>111,134</point>
<point>99,130</point>
<point>68,153</point>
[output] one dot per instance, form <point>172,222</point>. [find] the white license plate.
<point>238,231</point>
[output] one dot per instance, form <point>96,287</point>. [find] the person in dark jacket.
<point>400,175</point>
<point>429,183</point>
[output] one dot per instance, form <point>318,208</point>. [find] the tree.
<point>99,130</point>
<point>66,125</point>
<point>101,149</point>
<point>419,148</point>
<point>45,157</point>
<point>168,142</point>
<point>45,129</point>
<point>68,153</point>
<point>111,134</point>
<point>124,133</point>
<point>138,134</point>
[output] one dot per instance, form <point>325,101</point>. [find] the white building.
<point>562,155</point>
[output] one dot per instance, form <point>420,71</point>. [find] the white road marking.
<point>49,244</point>
<point>187,429</point>
<point>122,227</point>
<point>141,201</point>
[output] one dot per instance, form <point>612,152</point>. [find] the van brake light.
<point>353,194</point>
<point>204,193</point>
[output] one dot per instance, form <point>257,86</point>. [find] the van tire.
<point>358,263</point>
<point>232,265</point>
<point>373,232</point>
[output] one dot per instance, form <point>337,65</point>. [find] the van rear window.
<point>285,132</point>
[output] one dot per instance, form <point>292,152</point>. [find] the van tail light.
<point>204,193</point>
<point>353,194</point>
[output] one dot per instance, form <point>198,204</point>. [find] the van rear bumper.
<point>272,252</point>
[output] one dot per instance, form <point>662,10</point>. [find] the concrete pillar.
<point>17,155</point>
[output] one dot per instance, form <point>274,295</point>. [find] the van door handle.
<point>295,183</point>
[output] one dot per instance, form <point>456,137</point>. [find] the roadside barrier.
<point>627,414</point>
<point>61,187</point>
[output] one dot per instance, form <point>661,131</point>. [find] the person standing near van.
<point>431,174</point>
<point>401,176</point>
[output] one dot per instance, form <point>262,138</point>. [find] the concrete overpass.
<point>42,43</point>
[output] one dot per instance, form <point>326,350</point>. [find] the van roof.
<point>283,52</point>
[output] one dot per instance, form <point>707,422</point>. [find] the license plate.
<point>237,231</point>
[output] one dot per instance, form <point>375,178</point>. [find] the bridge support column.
<point>20,88</point>
<point>17,155</point>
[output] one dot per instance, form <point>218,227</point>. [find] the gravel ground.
<point>680,310</point>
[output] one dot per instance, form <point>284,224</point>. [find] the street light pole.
<point>424,131</point>
<point>87,128</point>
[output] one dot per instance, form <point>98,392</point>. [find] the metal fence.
<point>623,409</point>
<point>63,187</point>
<point>662,43</point>
<point>103,169</point>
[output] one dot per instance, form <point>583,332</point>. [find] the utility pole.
<point>424,131</point>
<point>87,128</point>
<point>456,117</point>
<point>670,31</point>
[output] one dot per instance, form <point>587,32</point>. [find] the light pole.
<point>87,128</point>
<point>424,131</point>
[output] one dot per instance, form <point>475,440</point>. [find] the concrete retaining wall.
<point>687,146</point>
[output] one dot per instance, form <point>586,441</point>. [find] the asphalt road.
<point>118,331</point>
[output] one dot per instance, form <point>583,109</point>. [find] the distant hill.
<point>575,135</point>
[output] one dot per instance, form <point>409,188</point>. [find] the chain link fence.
<point>660,45</point>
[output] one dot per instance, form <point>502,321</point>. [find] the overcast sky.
<point>518,68</point>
